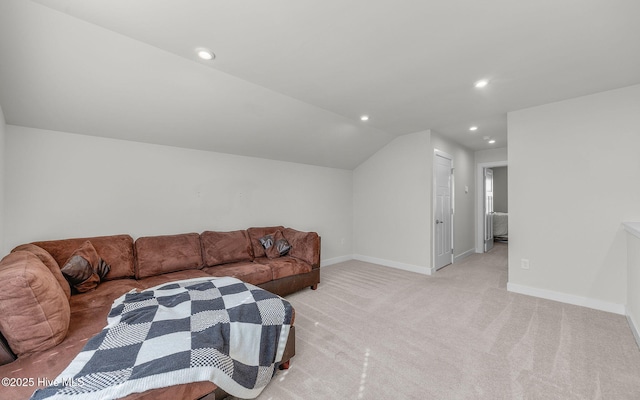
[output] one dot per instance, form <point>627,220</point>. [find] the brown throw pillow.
<point>84,269</point>
<point>275,245</point>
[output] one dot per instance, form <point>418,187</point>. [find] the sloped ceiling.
<point>292,77</point>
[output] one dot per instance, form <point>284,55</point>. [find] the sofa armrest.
<point>34,310</point>
<point>50,262</point>
<point>304,246</point>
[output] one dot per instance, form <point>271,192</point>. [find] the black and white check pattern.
<point>220,329</point>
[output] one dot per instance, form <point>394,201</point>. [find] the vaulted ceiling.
<point>291,78</point>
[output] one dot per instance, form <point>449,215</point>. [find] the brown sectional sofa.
<point>45,325</point>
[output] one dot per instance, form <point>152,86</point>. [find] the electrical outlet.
<point>524,263</point>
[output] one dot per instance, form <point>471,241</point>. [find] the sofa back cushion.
<point>304,245</point>
<point>157,255</point>
<point>255,234</point>
<point>34,310</point>
<point>116,250</point>
<point>225,247</point>
<point>49,262</point>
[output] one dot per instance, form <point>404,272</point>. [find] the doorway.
<point>485,206</point>
<point>488,209</point>
<point>443,210</point>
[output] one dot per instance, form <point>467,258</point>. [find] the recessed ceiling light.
<point>492,141</point>
<point>205,54</point>
<point>481,83</point>
<point>364,118</point>
<point>473,128</point>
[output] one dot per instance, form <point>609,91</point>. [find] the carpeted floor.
<point>372,332</point>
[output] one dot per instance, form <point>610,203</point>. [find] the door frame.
<point>480,200</point>
<point>488,239</point>
<point>441,153</point>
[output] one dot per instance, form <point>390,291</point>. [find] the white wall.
<point>491,155</point>
<point>62,185</point>
<point>633,283</point>
<point>574,176</point>
<point>2,173</point>
<point>392,204</point>
<point>500,189</point>
<point>464,167</point>
<point>392,197</point>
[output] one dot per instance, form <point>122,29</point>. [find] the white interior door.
<point>443,211</point>
<point>488,209</point>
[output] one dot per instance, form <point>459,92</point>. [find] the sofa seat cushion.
<point>103,296</point>
<point>86,321</point>
<point>50,363</point>
<point>34,310</point>
<point>225,247</point>
<point>172,276</point>
<point>249,272</point>
<point>284,266</point>
<point>115,250</point>
<point>156,255</point>
<point>89,313</point>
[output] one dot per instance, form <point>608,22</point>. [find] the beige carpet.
<point>372,332</point>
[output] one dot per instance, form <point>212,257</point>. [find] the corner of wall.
<point>574,241</point>
<point>390,210</point>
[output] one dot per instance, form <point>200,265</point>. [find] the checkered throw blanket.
<point>221,329</point>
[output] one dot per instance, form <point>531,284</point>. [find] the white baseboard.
<point>335,260</point>
<point>567,298</point>
<point>464,255</point>
<point>634,329</point>
<point>394,264</point>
